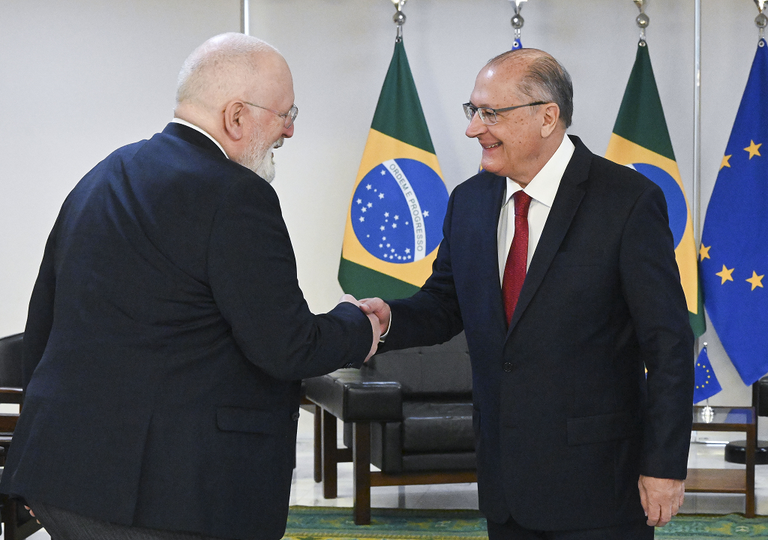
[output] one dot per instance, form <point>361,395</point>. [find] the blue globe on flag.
<point>676,205</point>
<point>398,210</point>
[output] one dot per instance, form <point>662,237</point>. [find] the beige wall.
<point>79,78</point>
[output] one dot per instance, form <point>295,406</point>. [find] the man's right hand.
<point>379,308</point>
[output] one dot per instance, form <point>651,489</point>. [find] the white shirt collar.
<point>193,126</point>
<point>543,186</point>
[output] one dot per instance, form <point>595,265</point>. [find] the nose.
<point>288,131</point>
<point>475,127</point>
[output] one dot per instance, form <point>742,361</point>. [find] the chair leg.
<point>318,411</point>
<point>9,518</point>
<point>330,476</point>
<point>361,461</point>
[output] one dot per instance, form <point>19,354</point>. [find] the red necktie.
<point>514,271</point>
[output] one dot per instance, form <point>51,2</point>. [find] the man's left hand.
<point>661,498</point>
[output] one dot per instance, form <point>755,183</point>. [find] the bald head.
<point>229,66</point>
<point>543,79</point>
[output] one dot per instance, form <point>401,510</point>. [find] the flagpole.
<point>697,124</point>
<point>399,18</point>
<point>707,412</point>
<point>245,17</point>
<point>517,22</point>
<point>761,21</point>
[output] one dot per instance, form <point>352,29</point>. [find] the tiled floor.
<point>306,492</point>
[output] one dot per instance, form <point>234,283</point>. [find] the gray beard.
<point>258,158</point>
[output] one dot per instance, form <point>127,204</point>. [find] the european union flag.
<point>707,384</point>
<point>734,243</point>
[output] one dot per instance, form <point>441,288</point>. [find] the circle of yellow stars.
<point>708,380</point>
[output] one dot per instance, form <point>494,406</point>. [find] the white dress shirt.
<point>542,190</point>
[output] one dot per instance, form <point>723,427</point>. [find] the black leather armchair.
<point>17,523</point>
<point>407,412</point>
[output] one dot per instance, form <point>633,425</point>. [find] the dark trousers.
<point>511,530</point>
<point>66,525</point>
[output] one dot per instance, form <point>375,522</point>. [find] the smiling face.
<point>520,144</point>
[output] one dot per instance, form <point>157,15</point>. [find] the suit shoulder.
<point>205,168</point>
<point>483,180</point>
<point>611,171</point>
<point>620,180</point>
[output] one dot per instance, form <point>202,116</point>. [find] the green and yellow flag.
<point>640,140</point>
<point>395,218</point>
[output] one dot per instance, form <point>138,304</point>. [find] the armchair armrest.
<point>11,394</point>
<point>353,395</point>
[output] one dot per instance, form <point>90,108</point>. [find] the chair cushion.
<point>454,461</point>
<point>437,427</point>
<point>436,371</point>
<point>11,348</point>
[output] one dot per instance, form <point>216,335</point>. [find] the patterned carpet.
<point>325,523</point>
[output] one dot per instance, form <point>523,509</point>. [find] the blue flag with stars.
<point>734,242</point>
<point>707,384</point>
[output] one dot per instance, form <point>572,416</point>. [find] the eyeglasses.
<point>289,117</point>
<point>488,115</point>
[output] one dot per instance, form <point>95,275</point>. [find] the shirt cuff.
<point>383,336</point>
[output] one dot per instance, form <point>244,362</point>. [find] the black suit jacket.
<point>165,343</point>
<point>565,420</point>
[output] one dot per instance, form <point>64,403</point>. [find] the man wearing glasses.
<point>167,334</point>
<point>560,267</point>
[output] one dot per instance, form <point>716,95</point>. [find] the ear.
<point>550,119</point>
<point>233,120</point>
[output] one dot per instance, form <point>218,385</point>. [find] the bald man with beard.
<point>167,334</point>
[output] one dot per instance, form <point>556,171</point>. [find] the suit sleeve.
<point>40,314</point>
<point>432,315</point>
<point>252,272</point>
<point>651,286</point>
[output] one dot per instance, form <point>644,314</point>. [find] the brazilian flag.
<point>640,140</point>
<point>395,218</point>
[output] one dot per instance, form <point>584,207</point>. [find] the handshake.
<point>377,311</point>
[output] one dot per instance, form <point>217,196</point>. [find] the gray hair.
<point>220,68</point>
<point>545,80</point>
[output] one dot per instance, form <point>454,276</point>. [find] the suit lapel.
<point>567,200</point>
<point>488,244</point>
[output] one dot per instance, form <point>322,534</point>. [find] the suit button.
<point>295,416</point>
<point>507,366</point>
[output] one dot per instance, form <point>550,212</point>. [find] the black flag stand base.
<point>736,451</point>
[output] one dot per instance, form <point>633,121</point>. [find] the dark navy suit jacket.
<point>165,342</point>
<point>565,420</point>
